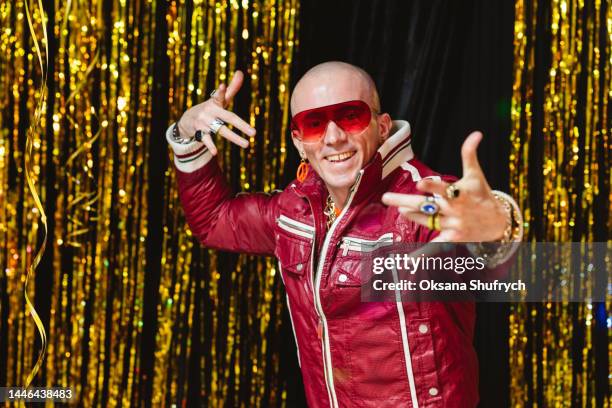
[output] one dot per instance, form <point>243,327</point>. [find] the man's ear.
<point>297,143</point>
<point>384,126</point>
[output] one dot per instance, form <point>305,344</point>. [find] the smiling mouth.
<point>336,158</point>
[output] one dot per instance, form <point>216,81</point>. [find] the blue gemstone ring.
<point>429,206</point>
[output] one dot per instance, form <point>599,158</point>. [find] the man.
<point>362,184</point>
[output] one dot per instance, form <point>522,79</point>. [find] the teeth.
<point>340,157</point>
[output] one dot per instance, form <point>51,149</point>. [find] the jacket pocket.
<point>294,242</point>
<point>294,227</point>
<point>354,255</point>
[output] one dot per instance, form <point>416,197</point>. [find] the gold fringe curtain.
<point>239,319</point>
<point>560,173</point>
<point>91,161</point>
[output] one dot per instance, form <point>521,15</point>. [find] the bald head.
<point>333,82</point>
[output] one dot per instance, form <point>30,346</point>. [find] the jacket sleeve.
<point>218,218</point>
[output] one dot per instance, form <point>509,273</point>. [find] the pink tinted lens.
<point>351,116</point>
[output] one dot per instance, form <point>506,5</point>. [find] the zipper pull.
<point>344,245</point>
<point>320,329</point>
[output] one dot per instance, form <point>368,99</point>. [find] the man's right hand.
<point>199,117</point>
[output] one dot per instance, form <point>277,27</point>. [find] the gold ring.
<point>433,222</point>
<point>452,191</point>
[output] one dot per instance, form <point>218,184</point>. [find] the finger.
<point>235,120</point>
<point>219,96</point>
<point>433,186</point>
<point>469,155</point>
<point>401,200</point>
<point>445,236</point>
<point>410,202</point>
<point>208,142</point>
<point>233,137</point>
<point>423,219</point>
<point>234,87</point>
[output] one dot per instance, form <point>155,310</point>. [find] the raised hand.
<point>475,215</point>
<point>199,117</point>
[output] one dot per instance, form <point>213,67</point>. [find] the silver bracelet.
<point>176,135</point>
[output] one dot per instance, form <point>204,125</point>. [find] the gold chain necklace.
<point>331,211</point>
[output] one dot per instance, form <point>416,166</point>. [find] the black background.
<point>446,67</point>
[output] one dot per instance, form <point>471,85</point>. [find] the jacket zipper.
<point>364,245</point>
<point>322,329</point>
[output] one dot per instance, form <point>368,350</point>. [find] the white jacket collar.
<point>397,148</point>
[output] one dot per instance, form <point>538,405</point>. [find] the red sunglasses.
<point>352,116</point>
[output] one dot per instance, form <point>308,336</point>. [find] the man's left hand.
<point>475,215</point>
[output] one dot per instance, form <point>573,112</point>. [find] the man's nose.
<point>334,134</point>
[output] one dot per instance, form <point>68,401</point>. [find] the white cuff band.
<point>188,157</point>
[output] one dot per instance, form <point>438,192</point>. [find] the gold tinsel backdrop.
<point>84,106</point>
<point>560,164</point>
<point>120,330</point>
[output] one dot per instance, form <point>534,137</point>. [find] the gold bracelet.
<point>514,221</point>
<point>498,252</point>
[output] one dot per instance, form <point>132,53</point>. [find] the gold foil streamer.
<point>574,141</point>
<point>93,165</point>
<point>30,178</point>
<point>22,104</point>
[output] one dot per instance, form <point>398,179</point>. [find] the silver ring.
<point>452,192</point>
<point>212,94</point>
<point>215,126</point>
<point>429,206</point>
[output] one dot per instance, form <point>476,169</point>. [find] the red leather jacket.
<point>351,353</point>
